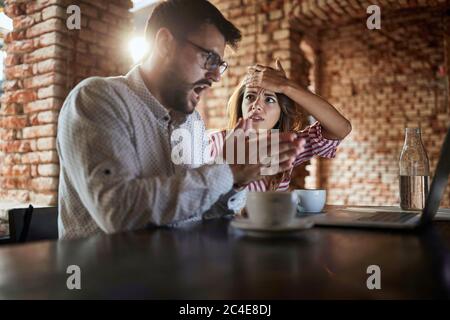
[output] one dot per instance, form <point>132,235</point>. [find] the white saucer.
<point>297,224</point>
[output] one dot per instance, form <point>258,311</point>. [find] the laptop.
<point>379,218</point>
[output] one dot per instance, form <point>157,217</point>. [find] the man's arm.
<point>96,149</point>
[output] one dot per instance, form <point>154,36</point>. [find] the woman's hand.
<point>268,78</point>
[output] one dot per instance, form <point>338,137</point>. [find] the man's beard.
<point>175,92</point>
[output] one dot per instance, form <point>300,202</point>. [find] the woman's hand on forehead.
<point>265,77</point>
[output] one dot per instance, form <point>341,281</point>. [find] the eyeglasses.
<point>212,60</point>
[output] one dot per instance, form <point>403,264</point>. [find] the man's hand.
<point>281,150</point>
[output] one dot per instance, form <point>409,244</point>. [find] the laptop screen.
<point>439,182</point>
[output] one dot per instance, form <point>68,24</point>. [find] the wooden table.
<point>210,260</point>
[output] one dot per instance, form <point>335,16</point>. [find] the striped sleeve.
<point>316,144</point>
<point>216,141</point>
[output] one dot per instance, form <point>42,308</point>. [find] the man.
<point>115,134</point>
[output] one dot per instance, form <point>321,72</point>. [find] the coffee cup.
<point>271,209</point>
<point>311,200</point>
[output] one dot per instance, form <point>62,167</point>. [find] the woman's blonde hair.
<point>290,120</point>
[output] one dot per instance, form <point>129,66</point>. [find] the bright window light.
<point>138,48</point>
<point>5,21</point>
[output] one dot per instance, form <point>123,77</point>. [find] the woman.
<point>267,99</point>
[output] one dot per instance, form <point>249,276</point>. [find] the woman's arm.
<point>335,126</point>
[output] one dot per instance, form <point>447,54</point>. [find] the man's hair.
<point>182,17</point>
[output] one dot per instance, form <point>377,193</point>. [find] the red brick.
<point>19,71</point>
<point>52,91</point>
<point>48,130</point>
<point>20,46</point>
<point>8,134</point>
<point>49,65</point>
<point>44,80</point>
<point>11,109</point>
<point>50,25</point>
<point>16,170</point>
<point>48,170</point>
<point>11,159</point>
<point>42,105</point>
<point>44,198</point>
<point>98,26</point>
<point>40,157</point>
<point>14,9</point>
<point>15,182</point>
<point>39,5</point>
<point>12,59</point>
<point>44,144</point>
<point>44,184</point>
<point>23,22</point>
<point>44,117</point>
<point>13,122</point>
<point>15,35</point>
<point>54,12</point>
<point>10,85</point>
<point>18,96</point>
<point>19,146</point>
<point>54,51</point>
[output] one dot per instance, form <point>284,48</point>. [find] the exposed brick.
<point>44,80</point>
<point>16,170</point>
<point>48,170</point>
<point>11,109</point>
<point>44,144</point>
<point>10,85</point>
<point>44,60</point>
<point>54,12</point>
<point>15,182</point>
<point>18,146</point>
<point>98,26</point>
<point>13,122</point>
<point>52,91</point>
<point>17,195</point>
<point>18,96</point>
<point>44,27</point>
<point>40,157</point>
<point>14,9</point>
<point>52,38</point>
<point>12,60</point>
<point>20,47</point>
<point>19,71</point>
<point>8,134</point>
<point>44,117</point>
<point>53,51</point>
<point>48,130</point>
<point>42,105</point>
<point>44,184</point>
<point>49,65</point>
<point>14,36</point>
<point>39,5</point>
<point>48,198</point>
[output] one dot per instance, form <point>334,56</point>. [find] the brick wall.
<point>44,61</point>
<point>382,80</point>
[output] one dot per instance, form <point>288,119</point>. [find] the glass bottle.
<point>414,171</point>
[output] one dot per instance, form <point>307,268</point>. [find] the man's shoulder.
<point>99,84</point>
<point>96,97</point>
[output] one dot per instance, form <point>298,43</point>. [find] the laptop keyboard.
<point>389,217</point>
